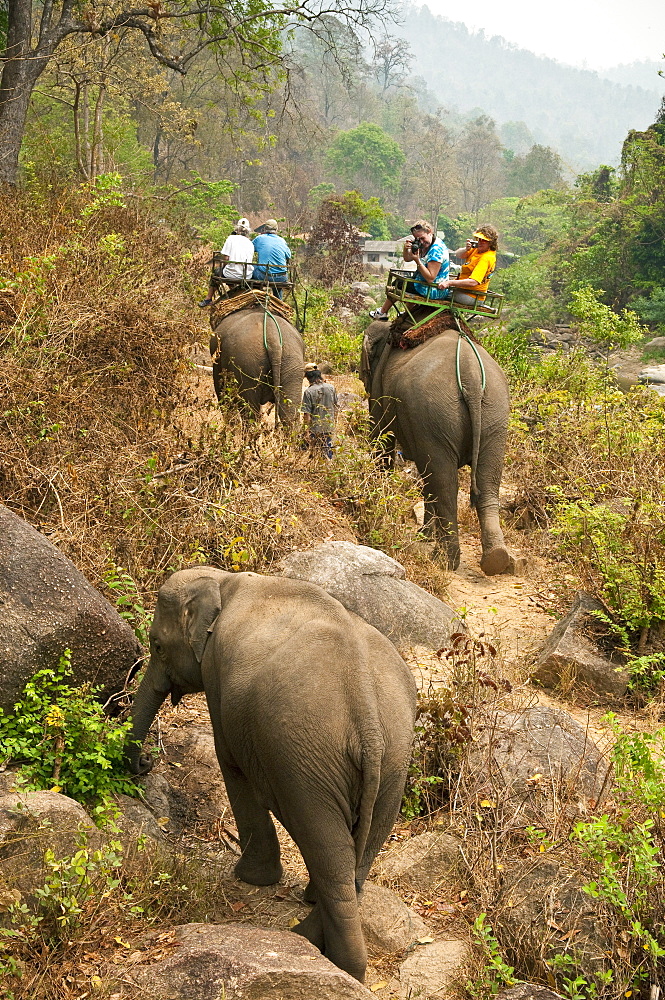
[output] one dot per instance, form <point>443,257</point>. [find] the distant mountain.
<point>638,74</point>
<point>583,115</point>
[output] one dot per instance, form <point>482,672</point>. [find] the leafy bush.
<point>625,846</point>
<point>602,324</point>
<point>63,740</point>
<point>652,310</point>
<point>620,547</point>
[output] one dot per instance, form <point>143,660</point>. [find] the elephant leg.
<point>259,864</point>
<point>218,381</point>
<point>309,895</point>
<point>496,558</point>
<point>329,852</point>
<point>440,489</point>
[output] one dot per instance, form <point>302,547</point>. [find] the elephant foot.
<point>309,895</point>
<point>450,557</point>
<point>497,560</point>
<point>258,874</point>
<point>311,928</point>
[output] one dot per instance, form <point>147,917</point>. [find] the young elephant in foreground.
<point>312,711</point>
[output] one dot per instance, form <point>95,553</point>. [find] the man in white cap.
<point>272,254</point>
<point>236,255</point>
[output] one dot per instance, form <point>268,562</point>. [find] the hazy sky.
<point>595,34</point>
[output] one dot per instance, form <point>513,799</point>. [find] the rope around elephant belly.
<point>463,335</point>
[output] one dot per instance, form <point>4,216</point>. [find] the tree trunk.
<point>22,68</point>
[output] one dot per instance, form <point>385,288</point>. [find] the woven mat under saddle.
<point>221,308</point>
<point>406,338</point>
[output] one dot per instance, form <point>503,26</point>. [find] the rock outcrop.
<point>532,765</point>
<point>236,962</point>
<point>571,654</point>
<point>373,585</point>
<point>48,606</point>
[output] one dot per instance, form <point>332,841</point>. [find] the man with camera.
<point>479,263</point>
<point>432,265</point>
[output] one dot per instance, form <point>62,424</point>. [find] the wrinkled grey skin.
<point>263,376</point>
<point>415,399</point>
<point>312,712</point>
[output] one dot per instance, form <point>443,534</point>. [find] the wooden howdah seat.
<point>402,297</point>
<point>236,285</point>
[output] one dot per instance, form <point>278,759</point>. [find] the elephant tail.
<point>372,755</point>
<point>273,343</point>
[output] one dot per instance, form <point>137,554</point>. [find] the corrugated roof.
<point>379,246</point>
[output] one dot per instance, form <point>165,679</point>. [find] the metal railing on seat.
<point>399,290</point>
<point>273,277</point>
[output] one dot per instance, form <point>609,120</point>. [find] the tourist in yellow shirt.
<point>479,263</point>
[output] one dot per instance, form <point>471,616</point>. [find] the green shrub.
<point>620,546</point>
<point>63,740</point>
<point>625,846</point>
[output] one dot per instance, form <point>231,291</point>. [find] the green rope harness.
<point>464,336</point>
<point>266,313</point>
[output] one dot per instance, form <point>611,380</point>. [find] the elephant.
<point>442,424</point>
<point>266,356</point>
<point>312,711</point>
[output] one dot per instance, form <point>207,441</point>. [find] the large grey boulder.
<point>388,924</point>
<point>47,607</point>
<point>569,653</point>
<point>532,765</point>
<point>543,911</point>
<point>371,584</point>
<point>527,991</point>
<point>431,968</point>
<point>239,962</point>
<point>31,823</point>
<point>653,375</point>
<point>424,863</point>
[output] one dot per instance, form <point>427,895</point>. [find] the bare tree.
<point>391,62</point>
<point>479,163</point>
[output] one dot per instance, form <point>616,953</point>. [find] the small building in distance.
<point>381,255</point>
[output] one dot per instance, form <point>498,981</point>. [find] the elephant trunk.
<point>146,705</point>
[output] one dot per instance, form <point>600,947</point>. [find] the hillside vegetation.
<point>127,175</point>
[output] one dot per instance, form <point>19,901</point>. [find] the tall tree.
<point>479,162</point>
<point>175,31</point>
<point>368,159</point>
<point>540,169</point>
<point>391,62</point>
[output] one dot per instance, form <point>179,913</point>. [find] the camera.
<point>472,243</point>
<point>416,245</point>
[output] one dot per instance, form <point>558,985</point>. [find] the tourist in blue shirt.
<point>271,250</point>
<point>432,265</point>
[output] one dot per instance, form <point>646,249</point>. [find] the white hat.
<point>311,366</point>
<point>243,224</point>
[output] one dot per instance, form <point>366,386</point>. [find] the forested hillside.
<point>529,843</point>
<point>582,114</point>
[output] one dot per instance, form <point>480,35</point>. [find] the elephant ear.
<point>201,612</point>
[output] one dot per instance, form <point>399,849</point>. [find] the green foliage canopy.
<point>367,157</point>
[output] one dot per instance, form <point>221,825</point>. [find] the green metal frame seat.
<point>398,292</point>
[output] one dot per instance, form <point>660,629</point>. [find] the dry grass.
<point>108,443</point>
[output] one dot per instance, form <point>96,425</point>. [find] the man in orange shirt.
<point>479,257</point>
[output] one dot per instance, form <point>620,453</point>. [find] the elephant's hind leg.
<point>496,556</point>
<point>440,489</point>
<point>259,864</point>
<point>333,925</point>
